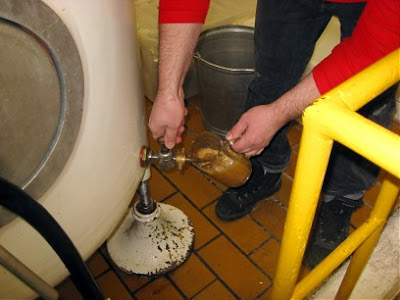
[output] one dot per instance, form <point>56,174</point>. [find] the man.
<point>285,35</point>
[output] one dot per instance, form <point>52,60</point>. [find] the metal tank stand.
<point>154,238</point>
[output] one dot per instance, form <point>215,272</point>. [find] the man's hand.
<point>167,119</point>
<point>257,126</point>
<point>255,129</point>
<point>177,42</point>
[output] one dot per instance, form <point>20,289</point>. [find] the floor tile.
<point>372,194</point>
<point>152,143</point>
<point>292,165</point>
<point>68,291</point>
<point>272,216</point>
<point>396,127</point>
<point>97,264</point>
<point>234,268</point>
<point>360,216</point>
<point>238,231</point>
<point>204,231</point>
<point>283,195</point>
<point>159,289</point>
<point>294,134</point>
<point>148,102</point>
<point>159,187</point>
<point>381,176</point>
<point>112,287</point>
<point>221,269</point>
<point>187,139</point>
<point>265,296</point>
<point>194,120</point>
<point>194,185</point>
<point>192,276</point>
<point>195,102</point>
<point>267,256</point>
<point>215,291</point>
<point>133,282</point>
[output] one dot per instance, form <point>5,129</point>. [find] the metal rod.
<point>146,205</point>
<point>338,256</point>
<point>144,193</point>
<point>384,203</point>
<point>26,275</point>
<point>302,206</point>
<point>315,148</point>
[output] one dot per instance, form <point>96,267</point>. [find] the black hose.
<point>16,200</point>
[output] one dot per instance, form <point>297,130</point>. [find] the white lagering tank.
<point>72,123</point>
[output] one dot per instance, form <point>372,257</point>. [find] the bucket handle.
<point>197,55</point>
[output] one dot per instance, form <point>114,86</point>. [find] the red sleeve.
<point>183,11</point>
<point>377,34</point>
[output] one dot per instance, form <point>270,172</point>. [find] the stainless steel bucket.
<point>224,66</point>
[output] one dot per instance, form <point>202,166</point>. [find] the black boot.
<point>238,202</point>
<point>332,228</point>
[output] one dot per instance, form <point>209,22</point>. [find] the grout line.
<point>175,286</point>
<point>209,242</point>
<point>221,231</point>
<point>216,275</point>
<point>260,246</point>
<point>261,225</point>
<point>260,269</point>
<point>203,289</point>
<point>264,292</point>
<point>98,251</point>
<point>115,271</point>
<point>167,197</point>
<point>151,280</point>
<point>208,204</point>
<point>283,206</point>
<point>102,273</point>
<point>183,194</point>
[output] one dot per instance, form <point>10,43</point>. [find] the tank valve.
<point>166,158</point>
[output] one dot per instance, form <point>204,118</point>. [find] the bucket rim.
<point>218,30</point>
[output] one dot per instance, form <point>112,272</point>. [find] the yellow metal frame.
<point>333,117</point>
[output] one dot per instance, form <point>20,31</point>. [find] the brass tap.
<point>165,158</point>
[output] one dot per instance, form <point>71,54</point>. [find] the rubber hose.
<point>17,201</point>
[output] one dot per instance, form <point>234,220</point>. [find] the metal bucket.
<point>224,66</point>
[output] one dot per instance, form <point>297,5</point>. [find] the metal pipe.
<point>26,275</point>
<point>304,198</point>
<point>146,205</point>
<point>338,256</point>
<point>331,118</point>
<point>384,203</point>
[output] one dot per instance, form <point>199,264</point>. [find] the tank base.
<point>152,244</point>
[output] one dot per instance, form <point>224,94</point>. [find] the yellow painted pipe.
<point>307,185</point>
<point>372,141</point>
<point>316,143</point>
<point>335,259</point>
<point>384,203</point>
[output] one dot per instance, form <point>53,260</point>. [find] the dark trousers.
<point>285,35</point>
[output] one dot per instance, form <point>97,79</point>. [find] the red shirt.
<point>377,34</point>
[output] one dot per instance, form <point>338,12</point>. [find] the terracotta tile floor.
<point>231,260</point>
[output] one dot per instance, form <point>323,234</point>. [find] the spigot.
<point>165,158</point>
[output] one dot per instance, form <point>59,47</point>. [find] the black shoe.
<point>332,228</point>
<point>238,202</point>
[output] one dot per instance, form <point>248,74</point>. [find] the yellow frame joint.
<point>332,118</point>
